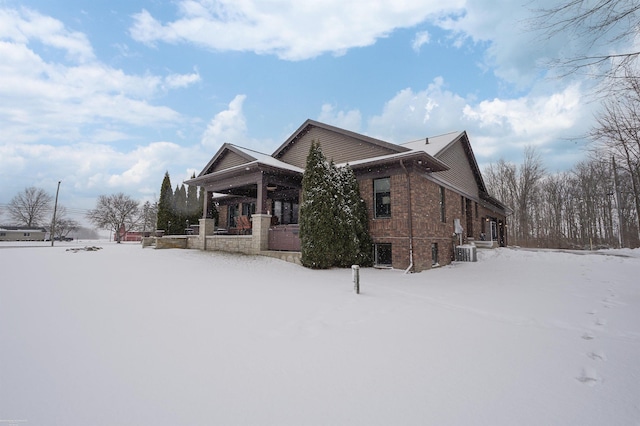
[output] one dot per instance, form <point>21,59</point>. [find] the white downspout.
<point>410,219</point>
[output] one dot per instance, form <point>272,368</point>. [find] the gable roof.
<point>451,148</point>
<point>337,144</point>
<point>232,158</point>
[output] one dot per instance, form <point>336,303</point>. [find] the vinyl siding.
<point>229,159</point>
<point>460,174</point>
<point>340,148</point>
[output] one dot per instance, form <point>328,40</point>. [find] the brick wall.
<point>428,228</point>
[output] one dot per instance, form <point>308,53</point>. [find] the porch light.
<point>271,187</point>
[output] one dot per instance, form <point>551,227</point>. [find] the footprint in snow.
<point>588,336</point>
<point>588,376</point>
<point>597,356</point>
<point>601,321</point>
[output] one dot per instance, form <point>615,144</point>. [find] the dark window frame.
<point>434,254</point>
<point>382,199</point>
<point>443,210</point>
<point>383,254</point>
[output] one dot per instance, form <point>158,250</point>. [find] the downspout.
<point>410,218</point>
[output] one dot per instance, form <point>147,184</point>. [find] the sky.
<point>106,97</point>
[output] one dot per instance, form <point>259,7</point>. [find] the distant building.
<point>424,197</point>
<point>22,233</point>
<point>127,236</point>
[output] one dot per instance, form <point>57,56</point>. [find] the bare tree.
<point>30,207</point>
<point>617,133</point>
<point>118,213</point>
<point>595,28</point>
<point>64,226</point>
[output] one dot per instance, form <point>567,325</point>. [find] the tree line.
<point>597,202</point>
<point>593,205</point>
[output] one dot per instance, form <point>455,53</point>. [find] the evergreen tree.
<point>180,210</point>
<point>317,219</point>
<point>194,206</point>
<point>352,224</point>
<point>358,220</point>
<point>165,204</point>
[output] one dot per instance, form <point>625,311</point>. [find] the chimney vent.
<point>426,141</point>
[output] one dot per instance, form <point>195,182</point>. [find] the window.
<point>382,197</point>
<point>233,215</point>
<point>476,210</point>
<point>248,209</point>
<point>285,211</point>
<point>383,254</point>
<point>27,234</point>
<point>434,254</point>
<point>443,216</point>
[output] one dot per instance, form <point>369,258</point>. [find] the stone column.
<point>207,226</point>
<point>260,232</point>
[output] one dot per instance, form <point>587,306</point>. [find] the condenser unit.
<point>466,253</point>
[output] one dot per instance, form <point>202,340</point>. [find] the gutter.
<point>410,268</point>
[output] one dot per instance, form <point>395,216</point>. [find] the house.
<point>424,197</point>
<point>22,233</point>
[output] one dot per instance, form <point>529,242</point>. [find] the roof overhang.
<point>243,170</point>
<point>418,158</point>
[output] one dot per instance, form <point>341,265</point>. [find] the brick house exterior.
<point>416,193</point>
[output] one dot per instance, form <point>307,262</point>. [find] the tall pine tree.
<point>179,210</point>
<point>357,220</point>
<point>316,212</point>
<point>334,225</point>
<point>194,206</point>
<point>165,204</point>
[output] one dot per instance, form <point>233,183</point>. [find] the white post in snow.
<point>355,272</point>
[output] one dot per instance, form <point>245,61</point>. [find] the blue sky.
<point>107,96</point>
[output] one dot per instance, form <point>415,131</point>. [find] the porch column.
<point>261,201</point>
<point>260,232</point>
<point>205,204</point>
<point>207,226</point>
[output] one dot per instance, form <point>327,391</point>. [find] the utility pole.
<point>53,222</point>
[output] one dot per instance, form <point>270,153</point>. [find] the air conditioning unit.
<point>466,253</point>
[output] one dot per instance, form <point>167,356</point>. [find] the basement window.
<point>382,255</point>
<point>434,254</point>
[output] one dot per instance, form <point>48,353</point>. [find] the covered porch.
<point>257,206</point>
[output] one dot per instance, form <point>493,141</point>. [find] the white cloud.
<point>530,120</point>
<point>412,115</point>
<point>24,25</point>
<point>290,29</point>
<point>497,127</point>
<point>228,126</point>
<point>175,81</point>
<point>350,120</point>
<point>47,100</point>
<point>420,39</point>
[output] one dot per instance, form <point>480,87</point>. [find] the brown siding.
<point>229,159</point>
<point>460,174</point>
<point>340,148</point>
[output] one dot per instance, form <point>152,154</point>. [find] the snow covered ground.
<point>132,336</point>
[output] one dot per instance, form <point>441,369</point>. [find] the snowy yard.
<point>132,336</point>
